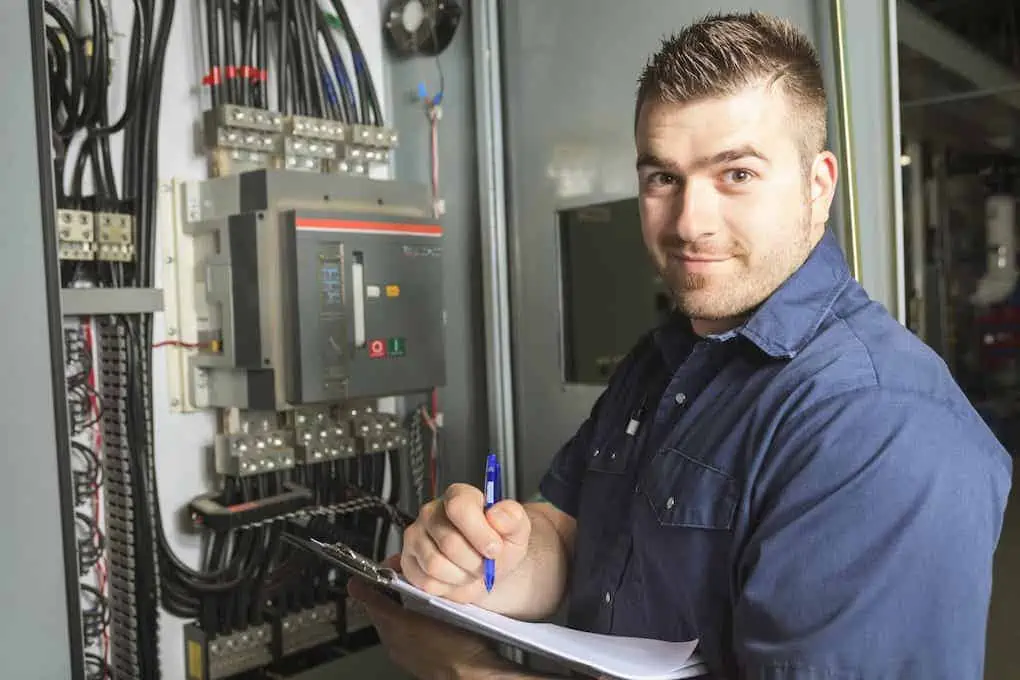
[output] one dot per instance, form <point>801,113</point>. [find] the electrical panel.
<point>611,294</point>
<point>309,289</point>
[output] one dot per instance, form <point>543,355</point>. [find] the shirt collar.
<point>790,317</point>
<point>787,320</point>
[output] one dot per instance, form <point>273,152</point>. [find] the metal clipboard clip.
<point>348,559</point>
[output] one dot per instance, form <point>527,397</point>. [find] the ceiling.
<point>991,25</point>
<point>960,72</point>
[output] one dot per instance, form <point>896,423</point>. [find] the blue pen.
<point>493,493</point>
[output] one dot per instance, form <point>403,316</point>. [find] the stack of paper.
<point>607,655</point>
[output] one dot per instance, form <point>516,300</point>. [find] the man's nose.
<point>694,210</point>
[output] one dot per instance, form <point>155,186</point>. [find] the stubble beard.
<point>716,297</point>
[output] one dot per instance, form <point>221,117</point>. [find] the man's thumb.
<point>510,520</point>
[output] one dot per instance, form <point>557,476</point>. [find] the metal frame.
<point>494,235</point>
<point>846,136</point>
<point>45,638</point>
<point>899,258</point>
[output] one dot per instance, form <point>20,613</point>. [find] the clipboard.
<point>589,653</point>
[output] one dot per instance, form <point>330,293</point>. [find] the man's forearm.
<point>535,589</point>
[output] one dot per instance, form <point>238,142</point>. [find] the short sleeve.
<point>869,553</point>
<point>561,484</point>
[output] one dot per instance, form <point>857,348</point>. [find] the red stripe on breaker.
<point>366,227</point>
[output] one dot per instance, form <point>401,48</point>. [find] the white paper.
<point>619,657</point>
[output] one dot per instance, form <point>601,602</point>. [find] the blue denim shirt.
<point>810,495</point>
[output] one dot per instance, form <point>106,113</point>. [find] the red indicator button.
<point>376,349</point>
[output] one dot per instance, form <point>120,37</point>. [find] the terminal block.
<point>241,138</point>
<point>309,628</point>
<point>115,237</point>
<point>76,235</point>
<point>320,437</point>
<point>214,657</point>
<point>245,454</point>
<point>375,432</point>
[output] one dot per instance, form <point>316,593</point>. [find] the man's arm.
<point>535,589</point>
<point>873,526</point>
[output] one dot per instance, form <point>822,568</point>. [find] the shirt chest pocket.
<point>684,492</point>
<point>607,479</point>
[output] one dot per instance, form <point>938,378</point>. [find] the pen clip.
<point>635,419</point>
<point>493,489</point>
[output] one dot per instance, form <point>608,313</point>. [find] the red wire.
<point>177,343</point>
<point>94,404</point>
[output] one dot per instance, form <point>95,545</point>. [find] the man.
<point>807,492</point>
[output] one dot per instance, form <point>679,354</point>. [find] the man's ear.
<point>823,177</point>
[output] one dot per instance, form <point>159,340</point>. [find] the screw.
<point>175,402</point>
<point>171,331</point>
<point>169,259</point>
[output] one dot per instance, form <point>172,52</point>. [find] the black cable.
<point>213,49</point>
<point>302,53</point>
<point>262,62</point>
<point>283,70</point>
<point>139,27</point>
<point>314,57</point>
<point>367,96</point>
<point>229,53</point>
<point>334,101</point>
<point>247,45</point>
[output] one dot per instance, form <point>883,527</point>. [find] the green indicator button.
<point>397,347</point>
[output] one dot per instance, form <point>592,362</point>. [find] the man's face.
<point>727,210</point>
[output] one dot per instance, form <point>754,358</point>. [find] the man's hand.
<point>425,648</point>
<point>445,547</point>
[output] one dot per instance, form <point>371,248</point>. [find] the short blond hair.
<point>724,53</point>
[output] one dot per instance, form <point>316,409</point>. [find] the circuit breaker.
<point>362,304</point>
<point>312,288</point>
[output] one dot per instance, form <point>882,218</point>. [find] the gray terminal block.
<point>246,454</point>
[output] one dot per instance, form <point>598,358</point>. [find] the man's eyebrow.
<point>646,160</point>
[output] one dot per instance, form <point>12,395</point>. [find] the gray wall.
<point>34,633</point>
<point>571,68</point>
<point>463,400</point>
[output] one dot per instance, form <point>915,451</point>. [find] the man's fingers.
<point>455,547</point>
<point>417,576</point>
<point>437,565</point>
<point>511,521</point>
<point>464,506</point>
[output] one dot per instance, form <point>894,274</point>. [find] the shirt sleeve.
<point>561,484</point>
<point>872,528</point>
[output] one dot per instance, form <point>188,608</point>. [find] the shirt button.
<point>612,455</point>
<point>670,503</point>
<point>596,452</point>
<point>608,598</point>
<point>680,398</point>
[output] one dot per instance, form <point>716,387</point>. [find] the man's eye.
<point>661,178</point>
<point>738,176</point>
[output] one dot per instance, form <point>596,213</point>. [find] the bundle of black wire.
<point>249,576</point>
<point>96,667</point>
<point>79,83</point>
<point>307,82</point>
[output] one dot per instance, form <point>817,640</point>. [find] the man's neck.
<point>703,328</point>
